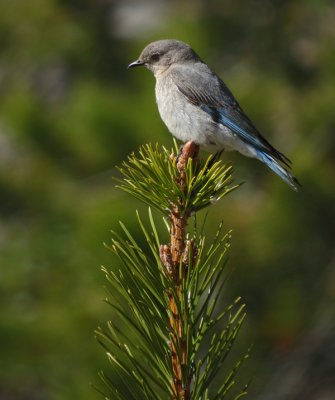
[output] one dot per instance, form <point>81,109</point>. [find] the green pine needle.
<point>137,341</point>
<point>152,177</point>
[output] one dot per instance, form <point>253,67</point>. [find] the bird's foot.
<point>215,158</point>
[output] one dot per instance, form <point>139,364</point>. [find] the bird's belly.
<point>187,125</point>
<point>184,120</point>
<point>189,122</point>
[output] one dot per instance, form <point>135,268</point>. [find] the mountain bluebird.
<point>196,105</point>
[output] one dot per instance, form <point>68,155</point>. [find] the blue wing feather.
<point>205,89</point>
<point>221,115</point>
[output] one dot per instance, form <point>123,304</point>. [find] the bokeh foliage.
<point>70,111</point>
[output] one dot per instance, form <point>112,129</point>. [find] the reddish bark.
<point>173,257</point>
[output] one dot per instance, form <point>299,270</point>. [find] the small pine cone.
<point>190,253</point>
<point>166,258</point>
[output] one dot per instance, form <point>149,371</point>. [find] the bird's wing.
<point>206,90</point>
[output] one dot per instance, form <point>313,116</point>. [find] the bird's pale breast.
<point>189,122</point>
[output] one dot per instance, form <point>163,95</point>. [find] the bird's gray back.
<point>183,117</point>
<point>229,127</point>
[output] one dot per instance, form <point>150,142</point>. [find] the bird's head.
<point>160,55</point>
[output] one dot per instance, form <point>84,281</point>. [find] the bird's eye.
<point>155,56</point>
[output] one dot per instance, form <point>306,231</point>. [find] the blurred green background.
<point>70,111</point>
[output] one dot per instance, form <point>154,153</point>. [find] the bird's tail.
<point>272,163</point>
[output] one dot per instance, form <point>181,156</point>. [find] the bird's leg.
<point>218,155</point>
<point>215,158</point>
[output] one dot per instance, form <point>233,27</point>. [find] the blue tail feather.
<point>272,163</point>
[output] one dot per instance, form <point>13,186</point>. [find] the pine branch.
<point>178,258</point>
<point>166,303</point>
<point>154,179</point>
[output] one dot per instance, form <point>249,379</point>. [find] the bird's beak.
<point>136,63</point>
